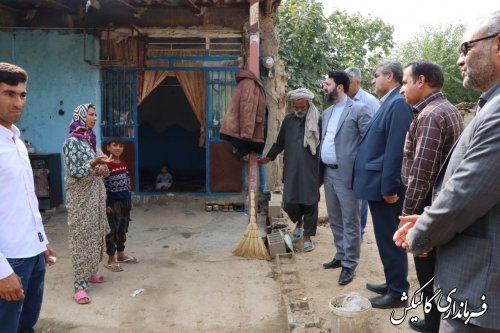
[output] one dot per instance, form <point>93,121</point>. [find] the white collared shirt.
<point>21,229</point>
<point>382,100</point>
<point>368,100</point>
<point>328,153</point>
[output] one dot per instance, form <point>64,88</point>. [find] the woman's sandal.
<point>81,297</point>
<point>96,278</point>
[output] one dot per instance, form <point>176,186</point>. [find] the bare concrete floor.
<point>191,281</point>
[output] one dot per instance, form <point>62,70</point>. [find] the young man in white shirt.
<point>24,248</point>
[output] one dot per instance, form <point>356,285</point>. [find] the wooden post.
<point>253,167</point>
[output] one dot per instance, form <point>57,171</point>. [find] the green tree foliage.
<point>305,44</point>
<point>440,45</point>
<point>360,42</point>
<point>311,44</point>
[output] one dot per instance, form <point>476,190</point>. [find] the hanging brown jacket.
<point>245,117</point>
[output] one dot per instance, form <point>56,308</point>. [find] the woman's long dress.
<point>86,205</point>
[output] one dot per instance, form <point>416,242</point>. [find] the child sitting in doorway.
<point>164,179</point>
<point>118,206</point>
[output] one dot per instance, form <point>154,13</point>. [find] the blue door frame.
<point>214,76</point>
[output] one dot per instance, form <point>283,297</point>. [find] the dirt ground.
<point>322,284</point>
<point>187,280</point>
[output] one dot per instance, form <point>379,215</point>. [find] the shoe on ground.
<point>377,288</point>
<point>346,276</point>
<point>387,302</point>
<point>308,246</point>
<point>332,264</point>
<point>418,326</point>
<point>297,233</point>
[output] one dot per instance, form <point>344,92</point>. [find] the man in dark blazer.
<point>377,178</point>
<point>463,221</point>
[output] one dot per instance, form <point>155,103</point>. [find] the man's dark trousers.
<point>385,218</point>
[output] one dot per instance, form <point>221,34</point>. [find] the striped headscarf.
<point>78,127</point>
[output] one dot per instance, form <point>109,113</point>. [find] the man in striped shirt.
<point>432,134</point>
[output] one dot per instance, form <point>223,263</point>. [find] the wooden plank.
<point>56,4</point>
<point>193,6</point>
<point>127,4</point>
<point>12,10</point>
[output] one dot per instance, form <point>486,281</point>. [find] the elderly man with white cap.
<point>299,137</point>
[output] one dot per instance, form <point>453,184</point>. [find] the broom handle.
<point>253,180</point>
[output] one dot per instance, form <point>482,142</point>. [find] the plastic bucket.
<point>348,320</point>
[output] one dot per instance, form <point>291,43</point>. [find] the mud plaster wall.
<point>276,94</point>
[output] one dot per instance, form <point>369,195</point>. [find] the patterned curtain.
<point>147,81</point>
<point>193,85</point>
<point>131,52</point>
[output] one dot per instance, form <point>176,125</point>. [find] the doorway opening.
<point>168,133</point>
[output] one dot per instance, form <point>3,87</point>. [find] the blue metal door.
<point>224,168</point>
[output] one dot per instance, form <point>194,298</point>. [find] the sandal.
<point>115,267</point>
<point>129,260</point>
<point>297,233</point>
<point>308,246</point>
<point>81,297</point>
<point>96,278</point>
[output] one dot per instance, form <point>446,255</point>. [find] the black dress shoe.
<point>377,288</point>
<point>346,276</point>
<point>387,302</point>
<point>418,326</point>
<point>332,264</point>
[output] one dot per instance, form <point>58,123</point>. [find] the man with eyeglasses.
<point>463,220</point>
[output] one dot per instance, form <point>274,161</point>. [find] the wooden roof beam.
<point>127,4</point>
<point>269,7</point>
<point>198,9</point>
<point>12,10</point>
<point>58,5</point>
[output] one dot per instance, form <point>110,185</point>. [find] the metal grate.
<point>220,87</point>
<point>118,96</point>
<point>216,46</point>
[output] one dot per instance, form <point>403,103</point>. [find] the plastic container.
<point>350,313</point>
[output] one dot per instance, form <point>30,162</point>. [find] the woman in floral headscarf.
<point>85,166</point>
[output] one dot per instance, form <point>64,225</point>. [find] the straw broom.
<point>251,245</point>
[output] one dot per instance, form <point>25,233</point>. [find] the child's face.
<point>163,169</point>
<point>115,149</point>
